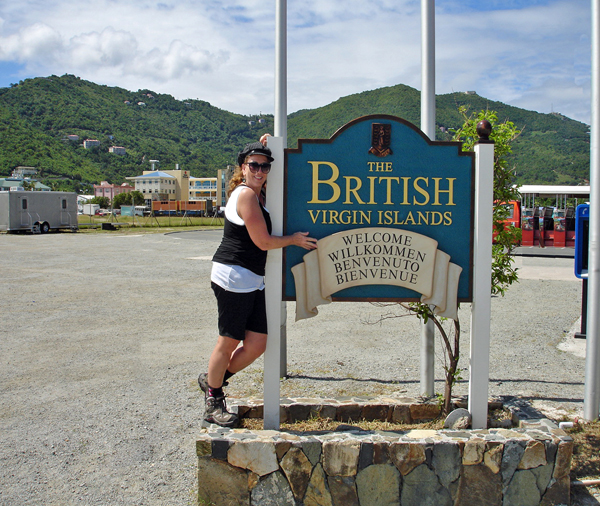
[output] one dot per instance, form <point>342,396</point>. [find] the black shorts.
<point>239,312</point>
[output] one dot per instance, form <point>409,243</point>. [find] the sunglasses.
<point>255,166</point>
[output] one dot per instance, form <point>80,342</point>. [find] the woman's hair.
<point>238,178</point>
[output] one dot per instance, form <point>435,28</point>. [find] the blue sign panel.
<point>582,234</point>
<point>381,171</point>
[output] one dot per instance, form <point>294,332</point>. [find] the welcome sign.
<point>393,212</point>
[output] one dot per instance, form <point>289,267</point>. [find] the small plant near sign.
<point>506,239</point>
<point>504,273</point>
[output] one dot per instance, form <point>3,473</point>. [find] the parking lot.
<point>104,334</point>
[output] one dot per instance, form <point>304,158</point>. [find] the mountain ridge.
<point>38,114</point>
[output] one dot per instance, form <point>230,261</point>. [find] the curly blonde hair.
<point>238,178</point>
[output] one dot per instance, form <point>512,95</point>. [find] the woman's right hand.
<point>301,239</point>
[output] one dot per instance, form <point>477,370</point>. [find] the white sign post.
<point>479,370</point>
<point>273,282</point>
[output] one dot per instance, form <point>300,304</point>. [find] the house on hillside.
<point>117,150</point>
<point>22,172</point>
<point>91,143</point>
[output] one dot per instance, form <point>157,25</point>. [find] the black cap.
<point>254,148</point>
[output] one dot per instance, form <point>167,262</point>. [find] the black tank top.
<point>237,248</point>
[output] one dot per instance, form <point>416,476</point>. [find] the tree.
<point>103,202</point>
<point>506,239</point>
<point>125,199</point>
<point>28,185</point>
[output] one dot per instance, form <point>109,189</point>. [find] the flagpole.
<point>591,399</point>
<point>428,127</point>
<point>275,359</point>
<point>281,70</point>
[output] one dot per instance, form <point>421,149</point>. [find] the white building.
<point>90,143</point>
<point>203,188</point>
<point>156,185</point>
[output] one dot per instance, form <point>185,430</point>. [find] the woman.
<point>237,278</point>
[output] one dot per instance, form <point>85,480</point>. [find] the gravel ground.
<point>103,336</point>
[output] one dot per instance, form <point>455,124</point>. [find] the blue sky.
<point>532,54</point>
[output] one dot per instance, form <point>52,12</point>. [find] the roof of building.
<point>156,173</point>
<point>551,190</point>
<point>12,182</point>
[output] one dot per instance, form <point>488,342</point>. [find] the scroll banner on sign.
<point>376,256</point>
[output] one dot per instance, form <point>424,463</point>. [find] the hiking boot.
<point>216,412</point>
<point>203,383</point>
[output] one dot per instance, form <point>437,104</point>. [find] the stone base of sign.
<point>528,464</point>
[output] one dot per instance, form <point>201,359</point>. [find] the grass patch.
<point>151,222</point>
<point>126,225</point>
<point>329,425</point>
<point>586,450</point>
<point>316,424</point>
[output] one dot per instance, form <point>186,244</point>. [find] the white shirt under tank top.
<point>235,278</point>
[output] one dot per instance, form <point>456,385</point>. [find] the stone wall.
<point>404,410</point>
<point>496,467</point>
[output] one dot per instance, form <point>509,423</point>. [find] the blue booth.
<point>582,227</point>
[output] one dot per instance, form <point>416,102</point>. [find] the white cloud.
<point>35,42</point>
<point>177,61</point>
<point>534,56</point>
<point>108,48</point>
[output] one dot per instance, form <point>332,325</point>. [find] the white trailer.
<point>90,209</point>
<point>37,211</point>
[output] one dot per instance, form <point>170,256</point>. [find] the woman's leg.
<point>219,360</point>
<point>252,347</point>
<point>215,410</point>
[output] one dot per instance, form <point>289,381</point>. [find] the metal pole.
<point>275,354</point>
<point>280,130</point>
<point>584,301</point>
<point>428,67</point>
<point>591,399</point>
<point>428,127</point>
<point>281,70</point>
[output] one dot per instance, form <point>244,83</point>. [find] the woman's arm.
<point>249,210</point>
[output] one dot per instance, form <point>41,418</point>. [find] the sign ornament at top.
<point>381,139</point>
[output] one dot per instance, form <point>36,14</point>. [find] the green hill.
<point>552,149</point>
<point>37,115</point>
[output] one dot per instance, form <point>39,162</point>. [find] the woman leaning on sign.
<point>237,278</point>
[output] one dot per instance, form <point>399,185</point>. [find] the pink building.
<point>104,189</point>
